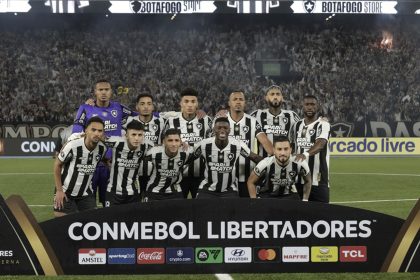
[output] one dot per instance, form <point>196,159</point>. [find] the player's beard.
<point>275,105</point>
<point>283,160</point>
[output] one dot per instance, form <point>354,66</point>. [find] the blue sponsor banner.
<point>121,256</point>
<point>179,255</point>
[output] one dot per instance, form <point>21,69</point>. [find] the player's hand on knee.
<point>59,198</point>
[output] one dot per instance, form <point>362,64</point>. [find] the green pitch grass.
<point>375,184</point>
<point>356,182</point>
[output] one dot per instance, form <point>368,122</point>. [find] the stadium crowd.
<point>47,72</point>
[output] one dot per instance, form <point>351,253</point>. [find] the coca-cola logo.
<point>150,255</point>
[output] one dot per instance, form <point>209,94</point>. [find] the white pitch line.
<point>221,276</point>
<point>337,202</point>
<point>12,174</point>
<point>376,174</point>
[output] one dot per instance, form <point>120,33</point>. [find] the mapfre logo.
<point>238,255</point>
<point>353,254</point>
<point>295,254</point>
<point>150,255</point>
<point>92,256</point>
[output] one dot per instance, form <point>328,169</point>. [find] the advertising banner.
<point>214,236</point>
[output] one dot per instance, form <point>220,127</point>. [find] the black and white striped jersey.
<point>220,165</point>
<point>274,126</point>
<point>79,166</point>
<point>246,130</point>
<point>303,137</point>
<point>192,132</point>
<point>253,6</point>
<point>153,133</point>
<point>280,180</point>
<point>166,171</point>
<point>125,165</point>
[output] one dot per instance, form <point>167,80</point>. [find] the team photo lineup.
<point>130,156</point>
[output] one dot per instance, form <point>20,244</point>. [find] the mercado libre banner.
<point>209,7</point>
<point>208,236</point>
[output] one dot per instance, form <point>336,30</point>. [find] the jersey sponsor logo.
<point>209,255</point>
<point>92,256</point>
<point>275,129</point>
<point>114,113</point>
<point>168,172</point>
<point>110,126</point>
<point>87,169</point>
<point>353,254</point>
<point>150,255</point>
<point>190,137</point>
<point>179,255</point>
<point>324,254</point>
<point>220,167</point>
<point>121,256</point>
<point>304,143</point>
<point>128,163</point>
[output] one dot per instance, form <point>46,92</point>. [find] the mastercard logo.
<point>267,254</point>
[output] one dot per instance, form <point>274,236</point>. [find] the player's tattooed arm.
<point>265,142</point>
<point>316,148</point>
<point>252,184</point>
<point>255,158</point>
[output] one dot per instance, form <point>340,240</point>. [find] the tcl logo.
<point>353,254</point>
<point>150,255</point>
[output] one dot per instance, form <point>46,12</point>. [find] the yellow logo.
<point>324,254</point>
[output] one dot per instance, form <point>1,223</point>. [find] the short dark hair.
<point>140,96</point>
<point>102,81</point>
<point>95,119</point>
<point>221,119</point>
<point>310,96</point>
<point>281,139</point>
<point>171,131</point>
<point>135,125</point>
<point>189,92</point>
<point>274,87</point>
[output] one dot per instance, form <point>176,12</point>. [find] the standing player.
<point>279,174</point>
<point>74,168</point>
<point>114,115</point>
<point>168,165</point>
<point>246,129</point>
<point>221,154</point>
<point>193,130</point>
<point>127,154</point>
<point>153,127</point>
<point>274,121</point>
<point>310,137</point>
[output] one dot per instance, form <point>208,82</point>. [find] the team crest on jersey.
<point>139,153</point>
<point>311,132</point>
<point>154,127</point>
<point>179,163</point>
<point>197,152</point>
<point>199,126</point>
<point>292,174</point>
<point>114,113</point>
<point>230,156</point>
<point>285,120</point>
<point>245,129</point>
<point>62,154</point>
<point>98,157</point>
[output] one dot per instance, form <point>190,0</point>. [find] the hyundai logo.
<point>237,252</point>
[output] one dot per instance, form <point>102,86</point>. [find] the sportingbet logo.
<point>121,256</point>
<point>295,254</point>
<point>209,255</point>
<point>238,254</point>
<point>324,254</point>
<point>150,255</point>
<point>92,256</point>
<point>353,254</point>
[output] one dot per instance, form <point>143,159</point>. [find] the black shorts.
<point>243,190</point>
<point>292,196</point>
<point>319,193</point>
<point>204,194</point>
<point>77,204</point>
<point>151,196</point>
<point>190,185</point>
<point>112,199</point>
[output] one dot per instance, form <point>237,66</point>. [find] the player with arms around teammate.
<point>279,174</point>
<point>74,168</point>
<point>193,130</point>
<point>168,163</point>
<point>275,121</point>
<point>114,116</point>
<point>310,138</point>
<point>221,154</point>
<point>127,154</point>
